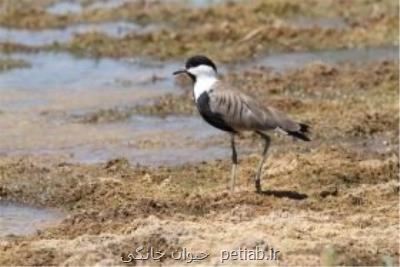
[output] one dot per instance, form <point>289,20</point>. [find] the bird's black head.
<point>198,60</point>
<point>197,66</point>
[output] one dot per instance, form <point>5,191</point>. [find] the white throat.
<point>203,84</point>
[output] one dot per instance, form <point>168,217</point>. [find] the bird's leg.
<point>257,179</point>
<point>234,163</point>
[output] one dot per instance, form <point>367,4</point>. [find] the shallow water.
<point>55,71</point>
<point>19,220</point>
<point>60,78</point>
<point>52,71</point>
<point>146,140</point>
<point>64,7</point>
<point>284,61</point>
<point>206,3</point>
<point>150,157</point>
<point>325,23</point>
<point>70,7</point>
<point>60,82</point>
<point>117,29</point>
<point>108,4</point>
<point>176,140</point>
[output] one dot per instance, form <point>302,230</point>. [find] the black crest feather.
<point>200,60</point>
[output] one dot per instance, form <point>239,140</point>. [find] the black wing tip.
<point>304,128</point>
<point>302,133</point>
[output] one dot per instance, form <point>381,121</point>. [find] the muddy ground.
<point>332,201</point>
<point>228,32</point>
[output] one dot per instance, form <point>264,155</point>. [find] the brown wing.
<point>243,112</point>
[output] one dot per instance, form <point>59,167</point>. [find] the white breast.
<point>203,84</point>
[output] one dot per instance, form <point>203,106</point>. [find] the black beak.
<point>179,72</point>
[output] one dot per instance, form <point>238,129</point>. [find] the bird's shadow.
<point>284,193</point>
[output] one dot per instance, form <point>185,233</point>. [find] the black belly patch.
<point>212,118</point>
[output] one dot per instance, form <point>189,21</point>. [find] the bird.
<point>233,111</point>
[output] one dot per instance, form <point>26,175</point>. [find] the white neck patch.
<point>203,84</point>
<point>205,79</point>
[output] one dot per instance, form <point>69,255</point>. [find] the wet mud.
<point>329,187</point>
<point>262,27</point>
<point>106,153</point>
<point>329,192</point>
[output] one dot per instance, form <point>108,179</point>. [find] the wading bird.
<point>233,111</point>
